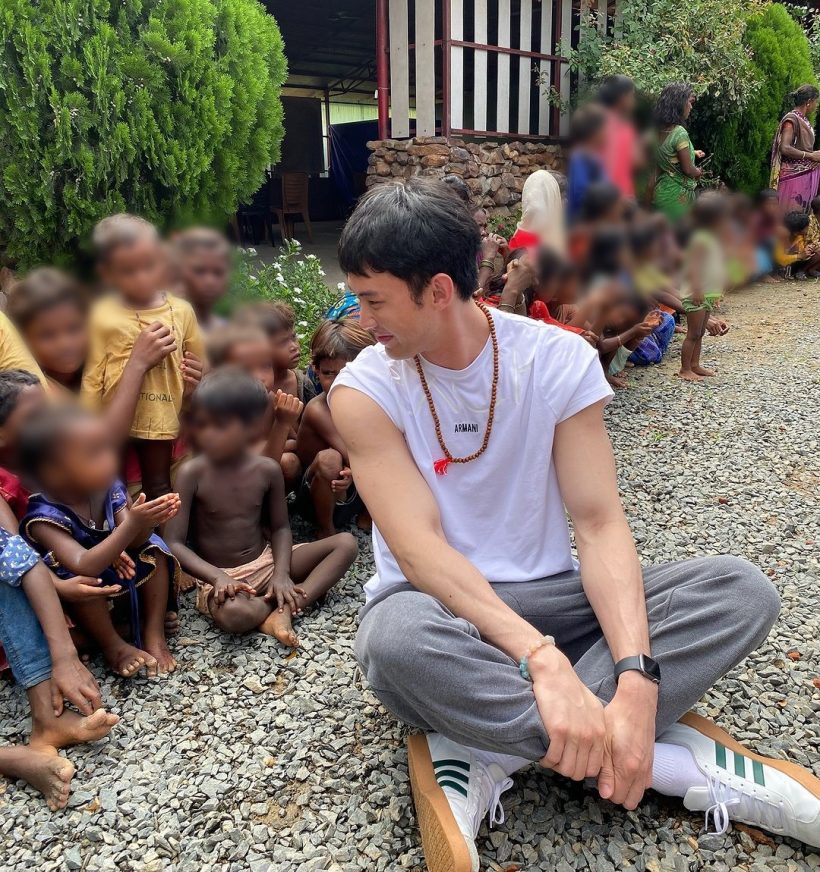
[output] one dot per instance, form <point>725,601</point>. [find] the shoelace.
<point>489,797</point>
<point>759,810</point>
<point>495,814</point>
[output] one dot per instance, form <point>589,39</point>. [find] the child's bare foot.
<point>127,661</point>
<point>171,623</point>
<point>279,624</point>
<point>43,768</point>
<point>71,728</point>
<point>707,373</point>
<point>365,522</point>
<point>688,375</point>
<point>164,662</point>
<point>618,383</point>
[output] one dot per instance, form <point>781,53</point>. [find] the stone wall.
<point>494,171</point>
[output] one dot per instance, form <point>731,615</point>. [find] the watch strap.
<point>637,664</point>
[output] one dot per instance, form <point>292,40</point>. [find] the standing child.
<point>83,524</point>
<point>327,493</point>
<point>232,532</point>
<point>132,262</point>
<point>586,161</point>
<point>704,280</point>
<point>203,262</point>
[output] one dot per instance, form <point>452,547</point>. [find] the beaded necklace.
<point>440,466</point>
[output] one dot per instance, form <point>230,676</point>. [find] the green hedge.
<point>167,108</point>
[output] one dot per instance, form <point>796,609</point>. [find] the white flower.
<point>253,278</point>
<point>311,257</point>
<point>341,286</point>
<point>321,271</point>
<point>251,251</point>
<point>297,290</point>
<point>303,323</point>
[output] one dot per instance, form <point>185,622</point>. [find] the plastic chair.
<point>294,202</point>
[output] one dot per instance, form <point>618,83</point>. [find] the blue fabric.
<point>42,509</point>
<point>583,171</point>
<point>20,632</point>
<point>346,306</point>
<point>653,347</point>
<point>765,264</point>
<point>16,558</point>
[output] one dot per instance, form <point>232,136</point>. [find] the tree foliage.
<point>782,61</point>
<point>167,108</point>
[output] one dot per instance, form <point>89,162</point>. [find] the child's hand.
<point>71,681</point>
<point>288,408</point>
<point>151,513</point>
<point>645,328</point>
<point>590,337</point>
<point>343,482</point>
<point>226,587</point>
<point>81,589</point>
<point>700,155</point>
<point>124,566</point>
<point>284,592</point>
<point>192,370</point>
<point>153,345</point>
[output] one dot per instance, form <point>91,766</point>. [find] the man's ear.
<point>444,290</point>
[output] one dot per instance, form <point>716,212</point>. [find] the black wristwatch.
<point>643,663</point>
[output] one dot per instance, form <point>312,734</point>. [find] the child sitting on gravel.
<point>327,493</point>
<point>82,523</point>
<point>232,533</point>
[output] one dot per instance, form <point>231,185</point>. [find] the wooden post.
<point>382,83</point>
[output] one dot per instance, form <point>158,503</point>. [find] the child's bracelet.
<point>524,662</point>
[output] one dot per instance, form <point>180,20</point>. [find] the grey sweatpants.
<point>433,671</point>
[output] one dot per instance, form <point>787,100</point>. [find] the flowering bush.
<point>292,277</point>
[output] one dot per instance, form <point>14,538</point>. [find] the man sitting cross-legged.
<point>479,628</point>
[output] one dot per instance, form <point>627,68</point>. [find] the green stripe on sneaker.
<point>740,764</point>
<point>453,785</point>
<point>451,773</point>
<point>720,755</point>
<point>757,769</point>
<point>461,764</point>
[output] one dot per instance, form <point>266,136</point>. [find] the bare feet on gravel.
<point>41,767</point>
<point>706,373</point>
<point>688,375</point>
<point>71,728</point>
<point>279,624</point>
<point>164,662</point>
<point>126,660</point>
<point>171,623</point>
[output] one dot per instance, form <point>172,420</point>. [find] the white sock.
<point>507,762</point>
<point>674,770</point>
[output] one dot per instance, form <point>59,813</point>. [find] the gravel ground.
<point>248,758</point>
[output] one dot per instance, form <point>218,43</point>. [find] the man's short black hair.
<point>231,392</point>
<point>796,221</point>
<point>12,383</point>
<point>412,230</point>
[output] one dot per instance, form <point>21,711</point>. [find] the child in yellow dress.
<point>133,264</point>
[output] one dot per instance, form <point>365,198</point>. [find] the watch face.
<point>651,667</point>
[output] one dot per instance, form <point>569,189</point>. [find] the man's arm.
<point>379,456</point>
<point>613,582</point>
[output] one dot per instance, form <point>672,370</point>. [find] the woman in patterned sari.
<point>676,173</point>
<point>795,163</point>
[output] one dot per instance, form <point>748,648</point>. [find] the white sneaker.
<point>776,795</point>
<point>452,791</point>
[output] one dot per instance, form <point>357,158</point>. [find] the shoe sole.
<point>713,731</point>
<point>442,841</point>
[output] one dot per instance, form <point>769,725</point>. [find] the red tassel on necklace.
<point>440,466</point>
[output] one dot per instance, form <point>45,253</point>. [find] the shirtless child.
<point>232,532</point>
<point>327,493</point>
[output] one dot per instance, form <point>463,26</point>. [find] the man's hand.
<point>630,741</point>
<point>71,681</point>
<point>152,346</point>
<point>573,716</point>
<point>283,591</point>
<point>288,408</point>
<point>82,589</point>
<point>226,588</point>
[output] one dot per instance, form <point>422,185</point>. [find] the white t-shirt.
<point>502,511</point>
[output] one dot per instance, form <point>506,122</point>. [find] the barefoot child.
<point>132,262</point>
<point>45,663</point>
<point>704,280</point>
<point>232,532</point>
<point>203,262</point>
<point>327,493</point>
<point>82,523</point>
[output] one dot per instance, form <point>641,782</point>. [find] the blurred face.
<point>481,219</point>
<point>139,271</point>
<point>205,275</point>
<point>284,349</point>
<point>567,292</point>
<point>626,105</point>
<point>220,438</point>
<point>29,400</point>
<point>687,107</point>
<point>770,207</point>
<point>328,369</point>
<point>623,315</point>
<point>254,357</point>
<point>86,460</point>
<point>391,314</point>
<point>58,339</point>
